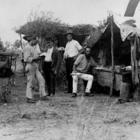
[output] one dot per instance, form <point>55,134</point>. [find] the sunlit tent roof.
<point>122,28</point>
<point>126,26</point>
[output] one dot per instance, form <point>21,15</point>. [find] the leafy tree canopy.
<point>44,25</point>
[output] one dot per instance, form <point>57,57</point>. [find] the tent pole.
<point>21,41</point>
<point>112,57</point>
<point>22,55</point>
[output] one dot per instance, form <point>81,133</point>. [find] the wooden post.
<point>21,41</point>
<point>112,56</point>
<point>22,55</point>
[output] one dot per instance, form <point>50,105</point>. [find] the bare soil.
<point>65,118</point>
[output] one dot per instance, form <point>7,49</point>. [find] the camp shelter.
<point>101,50</point>
<point>109,73</point>
<point>132,33</point>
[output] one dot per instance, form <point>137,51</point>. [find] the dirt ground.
<point>65,118</point>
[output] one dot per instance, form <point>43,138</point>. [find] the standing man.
<point>51,66</point>
<point>31,55</point>
<point>81,68</point>
<point>72,49</point>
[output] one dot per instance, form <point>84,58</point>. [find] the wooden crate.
<point>104,78</point>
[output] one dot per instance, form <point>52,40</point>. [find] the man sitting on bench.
<point>80,70</point>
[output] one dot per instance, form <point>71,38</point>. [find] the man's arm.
<point>38,49</point>
<point>74,68</point>
<point>27,55</point>
<point>65,52</point>
<point>37,57</point>
<point>93,63</point>
<point>79,47</point>
<point>77,62</point>
<point>43,54</point>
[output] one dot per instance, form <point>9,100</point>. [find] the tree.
<point>1,45</point>
<point>17,44</point>
<point>7,45</point>
<point>81,29</point>
<point>44,25</point>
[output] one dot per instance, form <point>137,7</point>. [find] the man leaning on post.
<point>72,50</point>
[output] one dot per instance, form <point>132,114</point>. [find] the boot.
<point>74,95</point>
<point>44,98</point>
<point>29,100</point>
<point>86,94</point>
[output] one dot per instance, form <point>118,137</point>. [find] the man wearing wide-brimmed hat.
<point>31,55</point>
<point>72,49</point>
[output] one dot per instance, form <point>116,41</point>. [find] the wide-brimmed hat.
<point>69,32</point>
<point>50,39</point>
<point>29,38</point>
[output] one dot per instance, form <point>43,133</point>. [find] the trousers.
<point>69,69</point>
<point>32,74</point>
<point>86,77</point>
<point>50,77</point>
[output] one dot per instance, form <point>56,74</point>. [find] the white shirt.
<point>48,55</point>
<point>72,49</point>
<point>31,52</point>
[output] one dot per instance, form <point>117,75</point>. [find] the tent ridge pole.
<point>112,57</point>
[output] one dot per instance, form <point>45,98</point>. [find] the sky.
<point>14,13</point>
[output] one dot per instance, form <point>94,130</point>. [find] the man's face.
<point>33,42</point>
<point>50,44</point>
<point>69,37</point>
<point>88,51</point>
<point>30,42</point>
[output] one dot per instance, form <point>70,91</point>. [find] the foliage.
<point>81,29</point>
<point>96,34</point>
<point>1,45</point>
<point>17,44</point>
<point>103,23</point>
<point>42,26</point>
<point>45,25</point>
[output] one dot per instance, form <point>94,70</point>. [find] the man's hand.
<point>36,59</point>
<point>55,72</point>
<point>74,69</point>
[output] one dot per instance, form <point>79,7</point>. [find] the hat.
<point>69,32</point>
<point>50,39</point>
<point>29,38</point>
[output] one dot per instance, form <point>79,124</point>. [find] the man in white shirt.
<point>72,49</point>
<point>31,55</point>
<point>51,65</point>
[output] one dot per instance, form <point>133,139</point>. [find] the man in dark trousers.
<point>72,50</point>
<point>51,66</point>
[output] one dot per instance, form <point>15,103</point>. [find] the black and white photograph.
<point>69,69</point>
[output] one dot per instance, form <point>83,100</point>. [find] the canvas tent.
<point>132,33</point>
<point>101,50</point>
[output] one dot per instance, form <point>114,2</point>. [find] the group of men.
<point>78,63</point>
